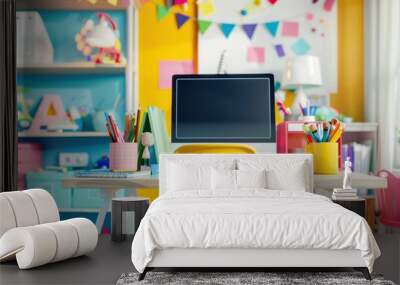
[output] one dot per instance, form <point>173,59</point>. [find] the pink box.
<point>30,158</point>
<point>123,156</point>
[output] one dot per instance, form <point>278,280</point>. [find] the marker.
<point>314,133</point>
<point>336,136</point>
<point>307,134</point>
<point>325,127</point>
<point>302,109</point>
<point>335,124</point>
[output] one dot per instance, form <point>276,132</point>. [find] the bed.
<point>246,211</point>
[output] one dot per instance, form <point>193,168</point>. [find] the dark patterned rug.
<point>243,278</point>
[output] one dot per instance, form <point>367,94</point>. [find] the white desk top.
<point>320,181</point>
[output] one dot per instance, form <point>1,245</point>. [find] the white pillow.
<point>251,178</point>
<point>181,177</point>
<point>223,179</point>
<point>282,174</point>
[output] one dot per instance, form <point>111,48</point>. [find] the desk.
<point>111,185</point>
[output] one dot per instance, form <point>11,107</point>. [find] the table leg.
<point>107,194</point>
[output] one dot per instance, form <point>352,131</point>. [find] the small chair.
<point>389,200</point>
<point>227,148</point>
<point>32,233</point>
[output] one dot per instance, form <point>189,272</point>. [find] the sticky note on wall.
<point>256,54</point>
<point>168,68</point>
<point>290,29</point>
<point>301,47</point>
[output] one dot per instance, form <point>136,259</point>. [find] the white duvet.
<point>250,219</point>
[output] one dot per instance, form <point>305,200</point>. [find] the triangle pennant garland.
<point>272,27</point>
<point>203,25</point>
<point>162,11</point>
<point>226,29</point>
<point>181,19</point>
<point>249,29</point>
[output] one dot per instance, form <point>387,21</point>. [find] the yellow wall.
<point>350,97</point>
<point>163,41</point>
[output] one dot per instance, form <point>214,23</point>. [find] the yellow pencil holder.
<point>325,157</point>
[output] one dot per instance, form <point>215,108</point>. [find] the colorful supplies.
<point>324,131</point>
<point>322,138</point>
<point>309,110</point>
<point>130,131</point>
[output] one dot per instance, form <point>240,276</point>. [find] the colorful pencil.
<point>137,125</point>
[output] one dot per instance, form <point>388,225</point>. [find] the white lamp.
<point>301,72</point>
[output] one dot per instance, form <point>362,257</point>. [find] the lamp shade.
<point>302,71</point>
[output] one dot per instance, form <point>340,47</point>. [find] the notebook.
<point>106,173</point>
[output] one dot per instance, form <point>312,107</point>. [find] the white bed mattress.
<point>250,219</point>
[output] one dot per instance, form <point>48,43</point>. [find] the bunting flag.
<point>226,29</point>
<point>249,29</point>
<point>203,25</point>
<point>272,27</point>
<point>162,11</point>
<point>181,19</point>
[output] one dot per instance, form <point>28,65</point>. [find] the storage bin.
<point>325,157</point>
<point>30,158</point>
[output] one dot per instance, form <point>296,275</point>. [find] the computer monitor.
<point>234,108</point>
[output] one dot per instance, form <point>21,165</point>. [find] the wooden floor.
<point>110,260</point>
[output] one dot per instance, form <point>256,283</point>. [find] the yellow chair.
<point>216,148</point>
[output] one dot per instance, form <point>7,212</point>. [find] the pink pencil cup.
<point>123,156</point>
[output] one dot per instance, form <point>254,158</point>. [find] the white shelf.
<point>361,127</point>
<point>73,68</point>
<point>61,134</point>
<point>68,5</point>
<point>349,128</point>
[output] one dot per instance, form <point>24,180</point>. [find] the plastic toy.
<point>51,112</point>
<point>147,141</point>
<point>104,37</point>
<point>103,162</point>
<point>24,118</point>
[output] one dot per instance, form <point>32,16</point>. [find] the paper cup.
<point>325,157</point>
<point>123,156</point>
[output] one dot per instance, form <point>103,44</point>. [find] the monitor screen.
<point>223,108</point>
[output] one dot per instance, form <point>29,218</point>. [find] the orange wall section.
<point>349,99</point>
<point>163,41</point>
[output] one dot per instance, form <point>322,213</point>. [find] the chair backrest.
<point>216,148</point>
<point>286,164</point>
<point>389,199</point>
<point>26,208</point>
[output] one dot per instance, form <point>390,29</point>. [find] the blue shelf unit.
<point>89,92</point>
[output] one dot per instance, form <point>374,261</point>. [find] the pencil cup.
<point>123,156</point>
<point>325,157</point>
